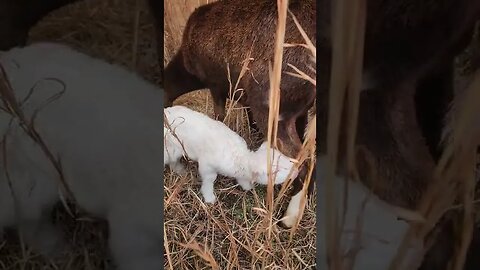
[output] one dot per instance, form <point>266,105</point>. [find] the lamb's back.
<point>202,135</point>
<point>105,127</point>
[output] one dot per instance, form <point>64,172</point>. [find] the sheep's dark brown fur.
<point>230,32</point>
<point>409,54</point>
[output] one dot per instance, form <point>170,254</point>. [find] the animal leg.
<point>433,97</point>
<point>292,214</point>
<point>178,80</point>
<point>42,236</point>
<point>245,184</point>
<point>289,142</point>
<point>208,177</point>
<point>293,210</point>
<point>132,246</point>
<point>301,125</point>
<point>178,167</point>
<point>219,101</point>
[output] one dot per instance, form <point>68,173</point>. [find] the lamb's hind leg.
<point>293,210</point>
<point>290,143</point>
<point>178,80</point>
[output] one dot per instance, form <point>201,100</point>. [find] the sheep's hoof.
<point>219,116</point>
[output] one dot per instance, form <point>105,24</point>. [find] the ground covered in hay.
<point>229,235</point>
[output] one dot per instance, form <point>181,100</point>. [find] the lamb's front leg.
<point>208,176</point>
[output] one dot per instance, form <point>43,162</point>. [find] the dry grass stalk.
<point>453,179</point>
<point>307,152</point>
<point>347,58</point>
<point>274,102</point>
<point>337,92</point>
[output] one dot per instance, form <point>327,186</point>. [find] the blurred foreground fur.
<point>109,168</point>
<point>107,29</point>
<point>406,81</point>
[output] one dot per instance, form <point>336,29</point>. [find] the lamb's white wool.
<point>218,150</point>
<point>106,130</point>
<point>293,210</point>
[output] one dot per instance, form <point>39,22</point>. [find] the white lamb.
<point>106,130</point>
<point>218,150</point>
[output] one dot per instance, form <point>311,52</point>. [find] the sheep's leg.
<point>219,100</point>
<point>301,125</point>
<point>208,176</point>
<point>42,236</point>
<point>432,100</point>
<point>178,80</point>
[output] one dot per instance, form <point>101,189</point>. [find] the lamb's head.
<point>281,166</point>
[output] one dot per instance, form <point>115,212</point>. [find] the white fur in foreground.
<point>380,231</point>
<point>218,150</point>
<point>106,130</point>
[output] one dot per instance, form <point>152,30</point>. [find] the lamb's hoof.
<point>210,199</point>
<point>288,222</point>
<point>180,170</point>
<point>50,244</point>
<point>246,185</point>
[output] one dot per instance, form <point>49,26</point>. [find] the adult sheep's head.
<point>281,166</point>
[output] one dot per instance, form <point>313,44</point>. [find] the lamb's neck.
<point>239,165</point>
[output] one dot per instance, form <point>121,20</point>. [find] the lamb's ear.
<point>263,146</point>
